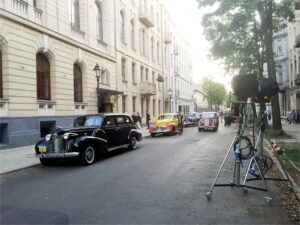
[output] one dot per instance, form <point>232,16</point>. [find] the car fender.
<point>136,133</point>
<point>100,144</point>
<point>41,142</point>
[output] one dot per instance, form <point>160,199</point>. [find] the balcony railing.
<point>77,34</point>
<point>19,7</point>
<point>147,88</point>
<point>145,16</point>
<point>283,85</point>
<point>38,15</point>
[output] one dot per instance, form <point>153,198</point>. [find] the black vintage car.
<point>89,136</point>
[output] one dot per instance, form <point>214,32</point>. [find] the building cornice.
<point>24,22</point>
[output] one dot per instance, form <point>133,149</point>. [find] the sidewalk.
<point>19,158</point>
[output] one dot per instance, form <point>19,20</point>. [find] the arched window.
<point>132,34</point>
<point>1,87</point>
<point>77,83</point>
<point>99,22</point>
<point>122,26</point>
<point>43,77</point>
<point>75,15</point>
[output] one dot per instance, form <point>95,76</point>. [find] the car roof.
<point>171,114</point>
<point>107,114</point>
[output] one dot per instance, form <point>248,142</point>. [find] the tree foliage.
<point>215,93</point>
<point>241,33</point>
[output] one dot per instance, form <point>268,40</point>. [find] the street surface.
<point>164,181</point>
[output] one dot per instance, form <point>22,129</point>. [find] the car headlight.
<point>66,136</point>
<point>48,137</point>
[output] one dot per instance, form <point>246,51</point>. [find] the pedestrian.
<point>293,116</point>
<point>180,122</point>
<point>148,119</point>
<point>138,121</point>
<point>133,116</point>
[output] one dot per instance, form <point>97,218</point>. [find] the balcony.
<point>147,88</point>
<point>145,17</point>
<point>77,33</point>
<point>168,37</point>
<point>38,15</point>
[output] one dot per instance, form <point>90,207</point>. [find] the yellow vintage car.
<point>166,123</point>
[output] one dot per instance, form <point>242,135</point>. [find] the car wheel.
<point>133,143</point>
<point>87,156</point>
<point>199,129</point>
<point>46,162</point>
<point>152,135</point>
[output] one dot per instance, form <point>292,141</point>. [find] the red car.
<point>208,121</point>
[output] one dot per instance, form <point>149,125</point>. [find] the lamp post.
<point>97,70</point>
<point>161,79</point>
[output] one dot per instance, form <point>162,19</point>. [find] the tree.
<point>215,93</point>
<point>241,33</point>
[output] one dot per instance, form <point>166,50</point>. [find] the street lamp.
<point>97,70</point>
<point>161,79</point>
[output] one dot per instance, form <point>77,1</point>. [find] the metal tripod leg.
<point>209,193</point>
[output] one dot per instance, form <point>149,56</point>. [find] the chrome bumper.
<point>58,155</point>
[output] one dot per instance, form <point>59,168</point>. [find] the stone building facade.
<point>48,51</point>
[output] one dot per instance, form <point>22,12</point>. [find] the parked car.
<point>166,123</point>
<point>89,136</point>
<point>191,119</point>
<point>208,121</point>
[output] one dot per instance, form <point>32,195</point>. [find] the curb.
<point>18,169</point>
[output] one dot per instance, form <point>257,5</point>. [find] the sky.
<point>187,17</point>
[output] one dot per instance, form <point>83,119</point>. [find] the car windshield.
<point>208,115</point>
<point>192,115</point>
<point>93,121</point>
<point>165,117</point>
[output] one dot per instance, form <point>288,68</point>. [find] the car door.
<point>111,130</point>
<point>122,130</point>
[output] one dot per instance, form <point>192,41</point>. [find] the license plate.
<point>42,149</point>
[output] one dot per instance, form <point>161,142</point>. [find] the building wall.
<point>294,62</point>
<point>26,30</point>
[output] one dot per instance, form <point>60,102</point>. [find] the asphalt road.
<point>164,181</point>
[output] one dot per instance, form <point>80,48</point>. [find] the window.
<point>123,65</point>
<point>34,3</point>
<point>152,48</point>
<point>153,77</point>
<point>133,104</point>
<point>77,83</point>
<point>99,22</point>
<point>157,52</point>
<point>133,73</point>
<point>279,50</point>
<point>120,120</point>
<point>143,42</point>
<point>153,107</point>
<point>1,83</point>
<point>132,34</point>
<point>122,26</point>
<point>142,73</point>
<point>147,74</point>
<point>75,17</point>
<point>43,77</point>
<point>124,103</point>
